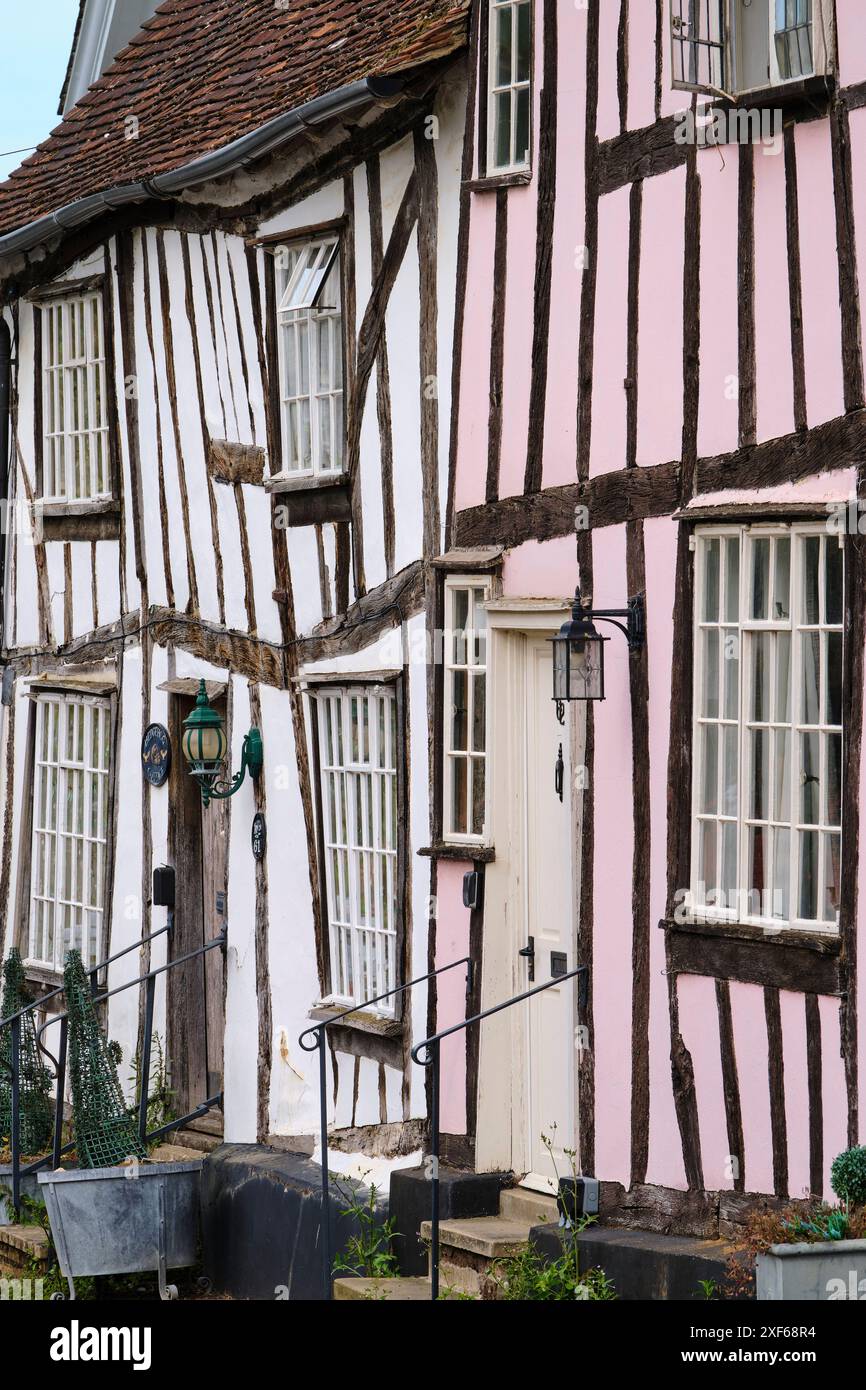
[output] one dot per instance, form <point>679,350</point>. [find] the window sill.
<point>310,501</point>
<point>78,521</point>
<point>361,1019</point>
<point>464,853</point>
<point>811,94</point>
<point>805,962</point>
<point>490,183</point>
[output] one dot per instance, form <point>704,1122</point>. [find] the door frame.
<point>501,1142</point>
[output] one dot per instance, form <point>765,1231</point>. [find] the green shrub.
<point>848,1176</point>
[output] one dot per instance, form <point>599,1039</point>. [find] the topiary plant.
<point>848,1176</point>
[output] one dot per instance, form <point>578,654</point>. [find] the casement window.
<point>509,86</point>
<point>465,705</point>
<point>70,829</point>
<point>767,789</point>
<point>310,337</point>
<point>741,45</point>
<point>358,747</point>
<point>76,464</point>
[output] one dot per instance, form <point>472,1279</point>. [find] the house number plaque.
<point>156,754</point>
<point>259,836</point>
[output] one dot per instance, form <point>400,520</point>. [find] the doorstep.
<point>642,1264</point>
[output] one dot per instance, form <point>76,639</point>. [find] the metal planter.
<point>29,1188</point>
<point>830,1270</point>
<point>126,1220</point>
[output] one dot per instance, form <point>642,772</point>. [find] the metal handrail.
<point>430,1049</point>
<point>14,1021</point>
<point>319,1030</point>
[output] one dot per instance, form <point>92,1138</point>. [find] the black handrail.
<point>430,1047</point>
<point>320,1029</point>
<point>14,1021</point>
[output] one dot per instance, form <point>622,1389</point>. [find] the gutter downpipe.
<point>5,439</point>
<point>217,164</point>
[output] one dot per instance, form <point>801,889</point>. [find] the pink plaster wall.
<point>851,41</point>
<point>822,327</point>
<point>609,362</point>
<point>517,348</point>
<point>660,332</point>
<point>719,353</point>
<point>541,569</point>
<point>614,841</point>
<point>792,1008</point>
<point>560,419</point>
<point>752,1050</point>
<point>699,1026</point>
<point>660,549</point>
<point>471,477</point>
<point>858,179</point>
<point>607,124</point>
<point>774,372</point>
<point>452,942</point>
<point>641,77</point>
<point>833,1089</point>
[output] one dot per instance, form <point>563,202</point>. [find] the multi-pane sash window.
<point>465,710</point>
<point>75,456</point>
<point>358,769</point>
<point>793,38</point>
<point>70,819</point>
<point>768,726</point>
<point>311,357</point>
<point>509,85</point>
<point>698,43</point>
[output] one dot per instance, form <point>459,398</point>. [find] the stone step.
<point>487,1237</point>
<point>520,1204</point>
<point>405,1290</point>
<point>175,1153</point>
<point>195,1139</point>
<point>212,1123</point>
<point>24,1248</point>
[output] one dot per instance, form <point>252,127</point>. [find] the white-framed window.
<point>767,748</point>
<point>310,336</point>
<point>358,749</point>
<point>740,45</point>
<point>76,465</point>
<point>465,702</point>
<point>509,86</point>
<point>70,828</point>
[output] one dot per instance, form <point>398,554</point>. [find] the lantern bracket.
<point>252,758</point>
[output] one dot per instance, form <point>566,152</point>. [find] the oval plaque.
<point>259,836</point>
<point>156,754</point>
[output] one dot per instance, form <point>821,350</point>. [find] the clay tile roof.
<point>202,73</point>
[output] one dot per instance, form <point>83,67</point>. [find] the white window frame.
<point>361,844</point>
<point>67,891</point>
<point>725,43</point>
<point>299,292</point>
<point>76,458</point>
<point>745,627</point>
<point>476,666</point>
<point>517,163</point>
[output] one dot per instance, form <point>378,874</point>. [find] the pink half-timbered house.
<point>660,373</point>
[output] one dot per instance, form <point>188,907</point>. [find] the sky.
<point>37,38</point>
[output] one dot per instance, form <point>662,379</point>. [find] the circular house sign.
<point>156,754</point>
<point>259,836</point>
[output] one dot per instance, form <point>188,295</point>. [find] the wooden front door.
<point>196,993</point>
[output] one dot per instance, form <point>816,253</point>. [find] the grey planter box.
<point>124,1220</point>
<point>29,1188</point>
<point>830,1270</point>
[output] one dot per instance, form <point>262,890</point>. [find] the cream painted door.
<point>550,919</point>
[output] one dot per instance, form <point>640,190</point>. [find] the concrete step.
<point>407,1290</point>
<point>520,1204</point>
<point>212,1123</point>
<point>490,1237</point>
<point>23,1249</point>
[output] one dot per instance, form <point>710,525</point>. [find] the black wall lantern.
<point>578,650</point>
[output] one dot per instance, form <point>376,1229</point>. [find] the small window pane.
<point>811,573</point>
<point>834,571</point>
<point>760,579</point>
<point>782,587</point>
<point>809,875</point>
<point>712,581</point>
<point>732,599</point>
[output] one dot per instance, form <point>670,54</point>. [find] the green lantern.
<point>204,746</point>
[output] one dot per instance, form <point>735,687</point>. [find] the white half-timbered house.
<point>227,297</point>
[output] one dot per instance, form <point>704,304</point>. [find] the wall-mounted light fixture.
<point>578,650</point>
<point>204,746</point>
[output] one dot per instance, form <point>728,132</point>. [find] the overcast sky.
<point>37,37</point>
